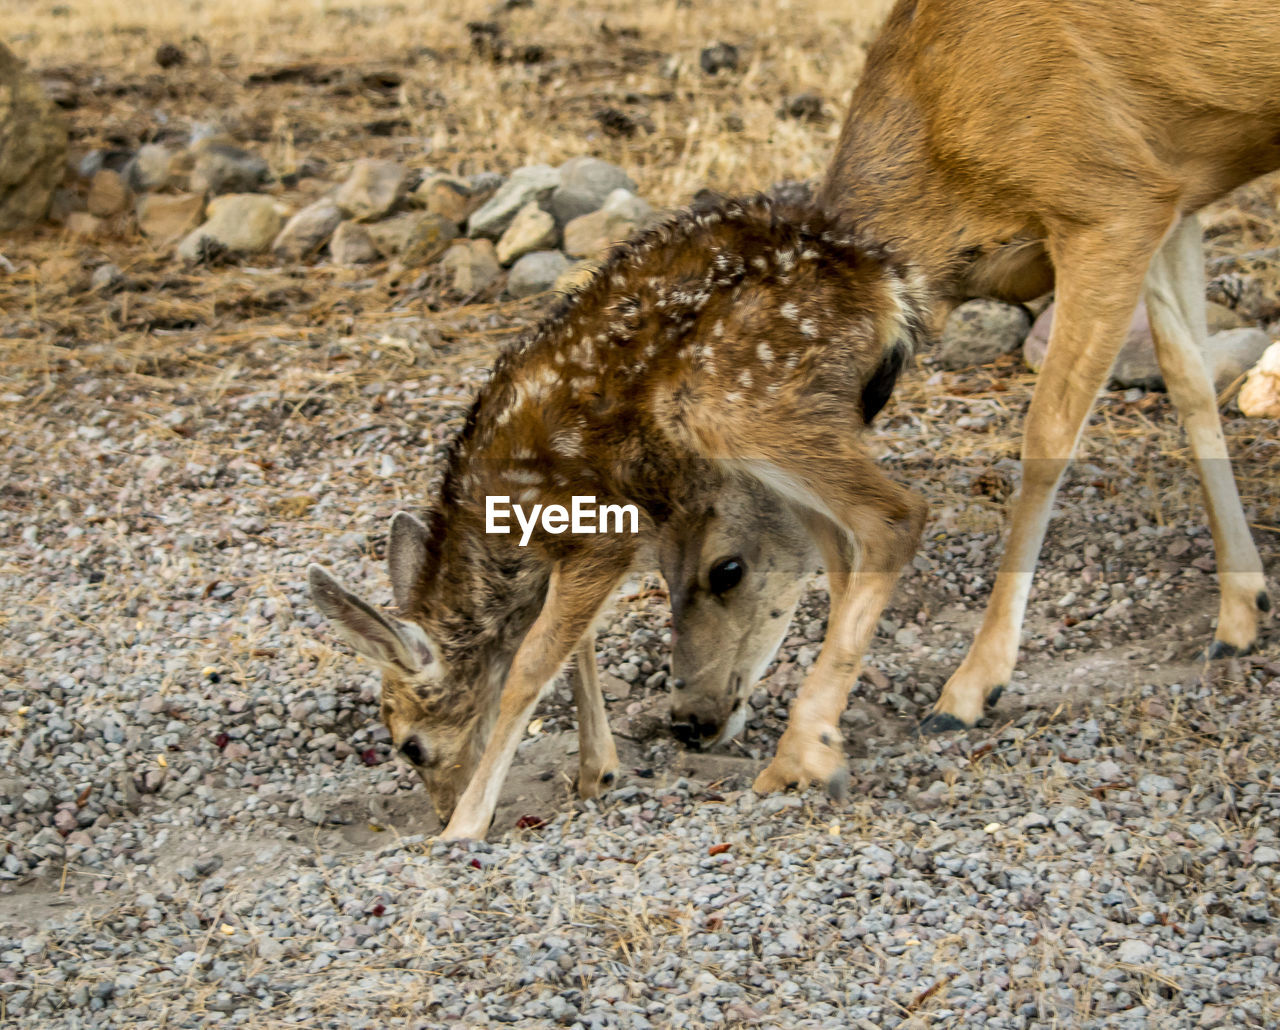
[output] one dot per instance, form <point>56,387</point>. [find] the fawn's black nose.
<point>692,731</point>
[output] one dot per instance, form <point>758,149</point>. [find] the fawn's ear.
<point>390,642</point>
<point>406,557</point>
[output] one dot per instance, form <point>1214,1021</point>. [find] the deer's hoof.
<point>941,722</point>
<point>838,784</point>
<point>592,785</point>
<point>1221,649</point>
<point>800,763</point>
<point>945,722</point>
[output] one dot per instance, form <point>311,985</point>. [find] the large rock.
<point>238,223</point>
<point>372,189</point>
<point>164,218</point>
<point>1260,395</point>
<point>352,245</point>
<point>1228,352</point>
<point>450,197</point>
<point>1219,317</point>
<point>536,272</point>
<point>152,168</point>
<point>222,167</point>
<point>532,229</point>
<point>591,235</point>
<point>979,331</point>
<point>1135,366</point>
<point>414,238</point>
<point>1233,352</point>
<point>81,225</point>
<point>530,184</point>
<point>585,184</point>
<point>307,231</point>
<point>108,194</point>
<point>1249,284</point>
<point>33,146</point>
<point>471,265</point>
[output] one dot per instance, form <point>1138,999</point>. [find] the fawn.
<point>737,564</point>
<point>754,335</point>
<point>992,148</point>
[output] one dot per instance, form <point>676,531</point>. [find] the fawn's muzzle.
<point>693,732</point>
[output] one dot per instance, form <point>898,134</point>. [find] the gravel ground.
<point>202,822</point>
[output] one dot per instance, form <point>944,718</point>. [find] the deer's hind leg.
<point>1100,274</point>
<point>1175,302</point>
<point>597,753</point>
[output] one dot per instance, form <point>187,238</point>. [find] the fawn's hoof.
<point>451,834</point>
<point>798,764</point>
<point>593,784</point>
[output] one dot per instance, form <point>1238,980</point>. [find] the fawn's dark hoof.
<point>1263,602</point>
<point>838,785</point>
<point>994,696</point>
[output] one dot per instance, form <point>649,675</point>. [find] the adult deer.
<point>1001,146</point>
<point>992,147</point>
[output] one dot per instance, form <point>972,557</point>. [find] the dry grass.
<point>467,114</point>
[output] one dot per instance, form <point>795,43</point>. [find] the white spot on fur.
<point>764,352</point>
<point>809,328</point>
<point>790,312</point>
<point>568,443</point>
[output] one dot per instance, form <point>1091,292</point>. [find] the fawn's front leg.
<point>850,504</point>
<point>597,755</point>
<point>572,601</point>
<point>886,534</point>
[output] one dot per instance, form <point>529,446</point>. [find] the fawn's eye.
<point>412,750</point>
<point>725,575</point>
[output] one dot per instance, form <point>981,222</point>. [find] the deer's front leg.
<point>884,521</point>
<point>573,599</point>
<point>597,755</point>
